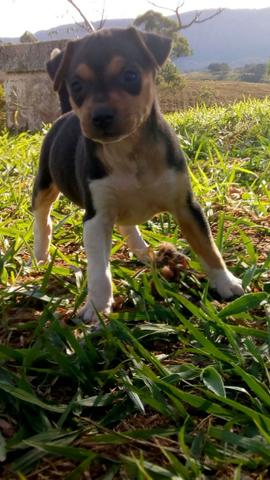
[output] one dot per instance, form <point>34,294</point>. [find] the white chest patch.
<point>133,197</point>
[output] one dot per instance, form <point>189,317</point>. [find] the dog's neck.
<point>138,152</point>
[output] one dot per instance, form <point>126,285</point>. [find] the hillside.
<point>236,37</point>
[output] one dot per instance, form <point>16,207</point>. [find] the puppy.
<point>116,157</point>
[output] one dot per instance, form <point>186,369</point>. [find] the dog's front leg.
<point>196,230</point>
<point>135,242</point>
<point>97,235</point>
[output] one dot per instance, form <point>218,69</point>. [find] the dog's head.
<point>110,79</point>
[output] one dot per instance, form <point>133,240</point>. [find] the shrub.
<point>254,73</point>
<point>28,37</point>
<point>169,76</point>
<point>218,67</point>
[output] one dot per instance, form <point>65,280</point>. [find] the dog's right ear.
<point>57,66</point>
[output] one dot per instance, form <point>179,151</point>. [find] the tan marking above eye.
<point>115,66</point>
<point>85,72</point>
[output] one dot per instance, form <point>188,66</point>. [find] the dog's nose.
<point>102,117</point>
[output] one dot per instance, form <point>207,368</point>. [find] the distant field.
<point>198,91</point>
<point>210,92</point>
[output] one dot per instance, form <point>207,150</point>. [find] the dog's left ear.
<point>53,64</point>
<point>63,63</point>
<point>157,46</point>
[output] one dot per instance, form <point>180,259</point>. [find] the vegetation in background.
<point>156,22</point>
<point>152,21</point>
<point>219,70</point>
<point>254,72</point>
<point>176,386</point>
<point>28,37</point>
<point>169,76</point>
<point>2,107</point>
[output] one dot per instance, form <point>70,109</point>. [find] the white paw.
<point>226,283</point>
<point>143,255</point>
<point>89,314</point>
<point>41,259</point>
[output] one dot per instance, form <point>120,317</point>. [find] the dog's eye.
<point>130,76</point>
<point>130,80</point>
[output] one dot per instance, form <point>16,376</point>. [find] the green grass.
<point>176,386</point>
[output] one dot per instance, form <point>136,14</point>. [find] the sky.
<point>17,16</point>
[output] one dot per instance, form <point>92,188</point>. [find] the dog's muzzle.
<point>103,118</point>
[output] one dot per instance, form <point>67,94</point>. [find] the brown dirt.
<point>209,92</point>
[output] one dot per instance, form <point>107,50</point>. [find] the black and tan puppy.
<point>115,156</point>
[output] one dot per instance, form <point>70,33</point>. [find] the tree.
<point>219,70</point>
<point>197,18</point>
<point>152,21</point>
<point>218,67</point>
<point>253,73</point>
<point>28,37</point>
<point>169,76</point>
<point>87,24</point>
<point>156,22</point>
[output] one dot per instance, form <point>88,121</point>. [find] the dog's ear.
<point>53,64</point>
<point>57,67</point>
<point>157,46</point>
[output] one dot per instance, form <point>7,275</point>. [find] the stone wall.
<point>30,99</point>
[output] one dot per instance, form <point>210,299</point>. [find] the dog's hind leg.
<point>42,201</point>
<point>196,230</point>
<point>135,242</point>
<point>44,194</point>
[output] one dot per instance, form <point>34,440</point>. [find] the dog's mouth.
<point>110,138</point>
<point>105,136</point>
<point>114,131</point>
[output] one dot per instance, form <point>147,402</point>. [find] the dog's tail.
<point>52,67</point>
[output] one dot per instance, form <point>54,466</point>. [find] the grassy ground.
<point>177,385</point>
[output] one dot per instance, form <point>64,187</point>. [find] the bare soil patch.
<point>209,92</point>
